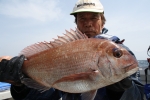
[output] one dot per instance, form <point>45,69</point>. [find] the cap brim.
<point>88,10</point>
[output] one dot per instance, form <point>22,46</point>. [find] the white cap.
<point>88,6</point>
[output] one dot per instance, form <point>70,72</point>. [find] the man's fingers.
<point>5,57</point>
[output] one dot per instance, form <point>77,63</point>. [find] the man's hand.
<point>10,70</point>
<point>5,57</point>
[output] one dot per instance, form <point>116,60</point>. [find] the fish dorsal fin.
<point>43,46</point>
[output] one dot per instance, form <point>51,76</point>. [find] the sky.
<point>25,22</point>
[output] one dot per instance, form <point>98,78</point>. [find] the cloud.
<point>42,10</point>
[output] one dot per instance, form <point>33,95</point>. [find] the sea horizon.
<point>142,63</point>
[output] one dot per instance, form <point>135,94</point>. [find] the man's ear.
<point>102,26</point>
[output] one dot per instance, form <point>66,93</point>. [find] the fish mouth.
<point>130,67</point>
<point>127,71</point>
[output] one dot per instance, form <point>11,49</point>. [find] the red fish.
<point>76,64</point>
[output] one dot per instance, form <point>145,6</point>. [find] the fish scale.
<point>67,69</point>
<point>75,63</point>
<point>60,60</point>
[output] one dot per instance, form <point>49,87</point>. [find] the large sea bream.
<point>75,63</point>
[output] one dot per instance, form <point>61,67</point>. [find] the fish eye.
<point>117,52</point>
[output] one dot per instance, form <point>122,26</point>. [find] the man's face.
<point>89,23</point>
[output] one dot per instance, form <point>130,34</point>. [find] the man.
<point>89,17</point>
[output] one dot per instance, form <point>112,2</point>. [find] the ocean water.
<point>143,63</point>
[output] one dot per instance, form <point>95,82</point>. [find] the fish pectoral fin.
<point>75,77</point>
<point>89,95</point>
<point>33,84</point>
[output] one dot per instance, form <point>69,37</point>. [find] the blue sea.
<point>143,63</point>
